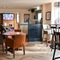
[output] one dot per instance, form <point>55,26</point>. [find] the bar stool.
<point>57,44</point>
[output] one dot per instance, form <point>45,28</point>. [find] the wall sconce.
<point>17,18</point>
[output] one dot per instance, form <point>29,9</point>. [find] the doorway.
<point>35,31</point>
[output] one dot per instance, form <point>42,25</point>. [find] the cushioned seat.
<point>16,42</point>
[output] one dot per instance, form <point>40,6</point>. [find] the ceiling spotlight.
<point>38,7</point>
<point>4,7</point>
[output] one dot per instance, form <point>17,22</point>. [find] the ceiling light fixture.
<point>38,7</point>
<point>4,7</point>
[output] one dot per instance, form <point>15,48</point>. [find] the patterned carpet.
<point>34,51</point>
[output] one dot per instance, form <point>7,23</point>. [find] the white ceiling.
<point>16,4</point>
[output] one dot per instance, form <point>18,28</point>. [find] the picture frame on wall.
<point>26,17</point>
<point>48,15</point>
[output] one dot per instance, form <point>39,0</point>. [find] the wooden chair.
<point>45,37</point>
<point>18,41</point>
<point>1,42</point>
<point>57,44</point>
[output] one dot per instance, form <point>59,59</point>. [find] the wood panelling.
<point>1,21</point>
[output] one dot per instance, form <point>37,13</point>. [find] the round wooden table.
<point>13,33</point>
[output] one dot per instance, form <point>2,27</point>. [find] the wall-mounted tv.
<point>8,16</point>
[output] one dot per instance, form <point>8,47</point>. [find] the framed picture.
<point>26,17</point>
<point>48,15</point>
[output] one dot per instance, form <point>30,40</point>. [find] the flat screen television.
<point>8,16</point>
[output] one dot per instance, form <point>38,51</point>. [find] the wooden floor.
<point>34,51</point>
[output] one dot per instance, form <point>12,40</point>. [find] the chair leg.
<point>6,49</point>
<point>54,53</point>
<point>23,50</point>
<point>52,42</point>
<point>13,53</point>
<point>46,42</point>
<point>51,46</point>
<point>2,47</point>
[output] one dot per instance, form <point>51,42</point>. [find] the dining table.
<point>11,33</point>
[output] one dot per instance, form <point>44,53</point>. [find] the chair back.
<point>19,40</point>
<point>45,32</point>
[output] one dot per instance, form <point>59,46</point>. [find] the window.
<point>57,15</point>
<point>39,17</point>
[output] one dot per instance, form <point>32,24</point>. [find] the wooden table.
<point>13,33</point>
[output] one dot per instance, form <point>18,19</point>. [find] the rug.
<point>34,51</point>
<point>2,57</point>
